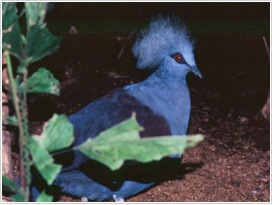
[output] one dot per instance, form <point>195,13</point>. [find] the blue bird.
<point>161,103</point>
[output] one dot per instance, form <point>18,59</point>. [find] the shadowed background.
<point>229,47</point>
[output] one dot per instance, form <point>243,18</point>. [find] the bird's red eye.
<point>178,57</point>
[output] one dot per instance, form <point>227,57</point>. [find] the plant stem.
<point>63,151</point>
<point>24,112</point>
<point>24,152</point>
<point>266,46</point>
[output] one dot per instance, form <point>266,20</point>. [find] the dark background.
<point>229,51</point>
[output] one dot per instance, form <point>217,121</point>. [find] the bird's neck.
<point>174,77</point>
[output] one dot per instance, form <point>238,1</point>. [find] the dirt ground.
<point>232,164</point>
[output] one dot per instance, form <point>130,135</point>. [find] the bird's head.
<point>165,43</point>
<point>180,63</point>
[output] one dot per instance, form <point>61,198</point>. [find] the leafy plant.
<point>111,147</point>
<point>37,43</point>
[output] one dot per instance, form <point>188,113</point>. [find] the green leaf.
<point>12,40</point>
<point>42,81</point>
<point>43,197</point>
<point>43,161</point>
<point>10,186</point>
<point>40,42</point>
<point>10,120</point>
<point>35,12</point>
<point>57,133</point>
<point>113,150</point>
<point>127,130</point>
<point>8,14</point>
<point>18,198</point>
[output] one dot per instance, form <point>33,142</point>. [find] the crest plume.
<point>163,36</point>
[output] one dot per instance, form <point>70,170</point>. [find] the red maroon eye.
<point>178,57</point>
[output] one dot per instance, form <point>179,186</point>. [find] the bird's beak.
<point>196,71</point>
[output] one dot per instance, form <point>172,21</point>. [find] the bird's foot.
<point>118,199</point>
<point>176,156</point>
<point>84,199</point>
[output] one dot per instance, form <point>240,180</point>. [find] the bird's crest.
<point>163,36</point>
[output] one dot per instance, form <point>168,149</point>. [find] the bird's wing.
<point>108,111</point>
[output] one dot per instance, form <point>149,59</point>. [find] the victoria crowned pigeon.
<point>161,103</point>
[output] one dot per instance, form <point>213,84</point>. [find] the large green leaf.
<point>43,161</point>
<point>113,150</point>
<point>43,197</point>
<point>11,32</point>
<point>10,186</point>
<point>57,133</point>
<point>42,81</point>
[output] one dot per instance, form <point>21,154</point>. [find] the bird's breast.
<point>172,104</point>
